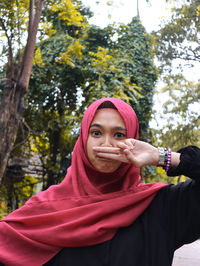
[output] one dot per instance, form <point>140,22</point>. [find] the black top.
<point>170,221</point>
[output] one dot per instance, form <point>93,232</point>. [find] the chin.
<point>103,165</point>
<point>106,171</point>
<point>107,168</point>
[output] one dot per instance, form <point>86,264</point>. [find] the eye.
<point>96,133</point>
<point>119,135</point>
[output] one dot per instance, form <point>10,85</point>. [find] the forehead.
<point>108,116</point>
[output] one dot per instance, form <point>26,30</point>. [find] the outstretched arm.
<point>136,152</point>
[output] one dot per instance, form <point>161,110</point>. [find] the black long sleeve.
<point>171,220</point>
<point>189,163</point>
<point>184,210</point>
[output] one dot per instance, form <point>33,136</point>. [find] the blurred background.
<point>59,56</point>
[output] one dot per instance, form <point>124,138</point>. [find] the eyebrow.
<point>115,128</point>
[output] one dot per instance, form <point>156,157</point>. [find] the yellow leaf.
<point>68,11</point>
<point>198,11</point>
<point>74,51</point>
<point>37,59</point>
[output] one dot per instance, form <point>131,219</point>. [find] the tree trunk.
<point>11,108</point>
<point>11,111</point>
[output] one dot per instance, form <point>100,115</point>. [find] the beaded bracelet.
<point>169,155</point>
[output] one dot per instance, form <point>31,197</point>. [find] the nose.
<point>107,141</point>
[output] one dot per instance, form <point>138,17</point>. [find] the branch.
<point>186,57</point>
<point>30,25</point>
<point>4,79</point>
<point>31,15</point>
<point>9,74</point>
<point>19,33</point>
<point>25,139</point>
<point>185,129</point>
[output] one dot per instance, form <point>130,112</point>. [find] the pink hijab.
<point>87,208</point>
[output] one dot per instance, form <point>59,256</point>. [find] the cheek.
<point>90,144</point>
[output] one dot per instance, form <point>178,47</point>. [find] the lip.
<point>104,159</point>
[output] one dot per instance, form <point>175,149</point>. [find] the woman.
<point>101,214</point>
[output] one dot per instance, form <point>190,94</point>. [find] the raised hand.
<point>132,151</point>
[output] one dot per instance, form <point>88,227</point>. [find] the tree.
<point>76,60</point>
<point>140,69</point>
<point>17,77</point>
<point>124,68</point>
<point>177,42</point>
<point>102,68</point>
<point>177,50</point>
<point>51,102</point>
<point>181,111</point>
<point>14,84</point>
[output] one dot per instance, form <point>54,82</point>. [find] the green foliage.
<point>3,209</point>
<point>73,66</point>
<point>92,65</point>
<point>13,19</point>
<point>136,44</point>
<point>110,80</point>
<point>176,47</point>
<point>68,11</point>
<point>52,104</point>
<point>158,174</point>
<point>123,67</point>
<point>182,112</point>
<point>179,38</point>
<point>16,191</point>
<point>14,22</point>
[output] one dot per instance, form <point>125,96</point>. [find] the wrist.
<point>164,158</point>
<point>175,160</point>
<point>156,157</point>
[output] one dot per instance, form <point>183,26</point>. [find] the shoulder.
<point>175,191</point>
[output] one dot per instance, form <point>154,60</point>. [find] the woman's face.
<point>106,129</point>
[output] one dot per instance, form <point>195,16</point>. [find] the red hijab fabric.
<point>87,207</point>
